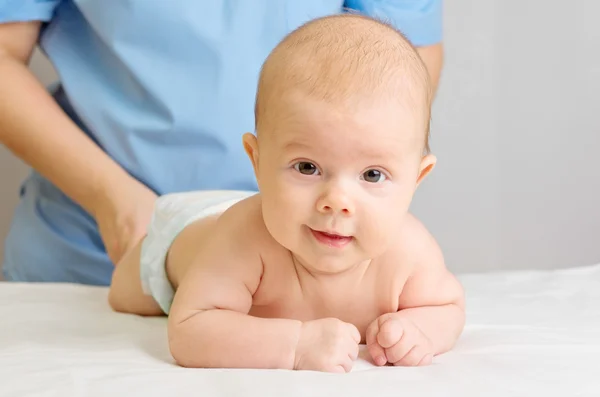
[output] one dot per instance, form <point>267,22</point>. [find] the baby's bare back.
<point>286,289</point>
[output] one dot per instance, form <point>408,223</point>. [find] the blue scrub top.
<point>167,89</point>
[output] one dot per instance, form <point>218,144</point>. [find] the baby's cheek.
<point>278,229</point>
<point>281,212</point>
<point>376,231</point>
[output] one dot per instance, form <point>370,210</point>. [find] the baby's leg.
<point>146,279</point>
<point>126,294</point>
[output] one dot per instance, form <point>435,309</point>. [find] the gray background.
<point>515,129</point>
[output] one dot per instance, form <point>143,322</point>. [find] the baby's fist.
<point>395,339</point>
<point>327,344</point>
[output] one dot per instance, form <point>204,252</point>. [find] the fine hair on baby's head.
<point>347,61</point>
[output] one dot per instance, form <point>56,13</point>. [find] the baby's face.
<point>336,183</point>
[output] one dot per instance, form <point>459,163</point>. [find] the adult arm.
<point>34,128</point>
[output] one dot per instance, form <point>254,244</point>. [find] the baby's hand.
<point>328,345</point>
<point>394,339</point>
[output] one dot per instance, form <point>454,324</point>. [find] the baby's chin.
<point>327,264</point>
<point>315,256</point>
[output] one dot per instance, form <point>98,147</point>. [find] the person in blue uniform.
<point>153,98</point>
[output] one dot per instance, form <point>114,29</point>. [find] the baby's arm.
<point>433,299</point>
<point>430,315</point>
<point>209,325</point>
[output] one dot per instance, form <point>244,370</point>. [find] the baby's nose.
<point>336,200</point>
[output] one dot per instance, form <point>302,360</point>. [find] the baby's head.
<point>342,125</point>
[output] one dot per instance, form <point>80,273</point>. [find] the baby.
<point>326,256</point>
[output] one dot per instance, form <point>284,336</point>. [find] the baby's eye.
<point>306,168</point>
<point>373,176</point>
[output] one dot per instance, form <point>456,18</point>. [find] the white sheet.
<point>528,334</point>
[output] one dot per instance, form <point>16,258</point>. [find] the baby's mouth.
<point>331,239</point>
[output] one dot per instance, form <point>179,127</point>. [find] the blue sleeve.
<point>27,10</point>
<point>419,20</point>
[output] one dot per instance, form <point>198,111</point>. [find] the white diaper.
<point>172,213</point>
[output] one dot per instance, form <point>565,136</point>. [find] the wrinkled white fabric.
<point>527,334</point>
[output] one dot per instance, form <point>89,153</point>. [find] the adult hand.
<point>123,214</point>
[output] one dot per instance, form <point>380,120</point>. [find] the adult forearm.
<point>227,339</point>
<point>433,58</point>
<point>36,130</point>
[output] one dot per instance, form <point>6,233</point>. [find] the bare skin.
<point>327,255</point>
<point>34,128</point>
<point>278,288</point>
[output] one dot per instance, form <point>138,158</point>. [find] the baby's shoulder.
<point>429,282</point>
<point>232,243</point>
<point>415,245</point>
<point>244,223</point>
<point>415,232</point>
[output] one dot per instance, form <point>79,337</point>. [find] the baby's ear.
<point>427,164</point>
<point>251,148</point>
